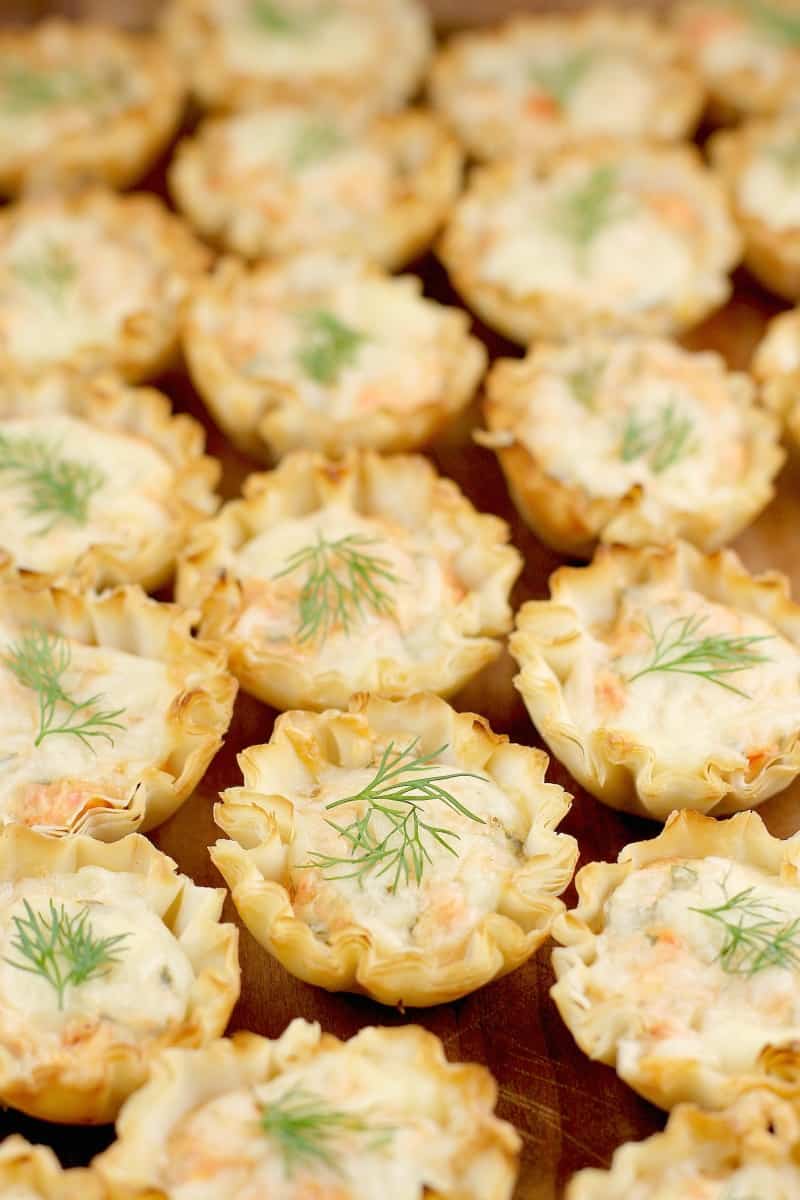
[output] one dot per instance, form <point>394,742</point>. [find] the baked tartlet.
<point>358,57</point>
<point>776,366</point>
<point>383,1114</point>
<point>286,179</point>
<point>663,678</point>
<point>108,956</point>
<point>327,354</point>
<point>359,574</point>
<point>111,710</point>
<point>401,849</point>
<point>539,83</point>
<point>750,1149</point>
<point>746,51</point>
<point>98,480</point>
<point>608,237</point>
<point>680,965</point>
<point>34,1173</point>
<point>93,280</point>
<point>662,443</point>
<point>82,101</point>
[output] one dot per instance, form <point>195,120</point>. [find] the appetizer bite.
<point>111,710</point>
<point>665,679</point>
<point>351,56</point>
<point>93,280</point>
<point>680,965</point>
<point>383,1114</point>
<point>776,366</point>
<point>608,237</point>
<point>108,956</point>
<point>538,83</point>
<point>285,179</point>
<point>359,574</point>
<point>400,849</point>
<point>34,1173</point>
<point>326,353</point>
<point>98,480</point>
<point>661,443</point>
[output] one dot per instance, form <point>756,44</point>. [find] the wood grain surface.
<point>571,1113</point>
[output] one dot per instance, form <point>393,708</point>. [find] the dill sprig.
<point>781,26</point>
<point>560,79</point>
<point>757,934</point>
<point>403,782</point>
<point>583,381</point>
<point>317,140</point>
<point>343,581</point>
<point>787,156</point>
<point>39,660</point>
<point>63,949</point>
<point>279,19</point>
<point>50,271</point>
<point>664,440</point>
<point>59,488</point>
<point>679,649</point>
<point>588,209</point>
<point>25,90</point>
<point>303,1127</point>
<point>330,346</point>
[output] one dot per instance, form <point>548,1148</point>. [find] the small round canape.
<point>34,1173</point>
<point>608,237</point>
<point>283,180</point>
<point>93,280</point>
<point>680,967</point>
<point>776,367</point>
<point>328,354</point>
<point>759,164</point>
<point>108,956</point>
<point>111,711</point>
<point>98,480</point>
<point>359,57</point>
<point>361,574</point>
<point>749,1149</point>
<point>538,83</point>
<point>401,849</point>
<point>383,1114</point>
<point>662,443</point>
<point>746,51</point>
<point>663,678</point>
<point>81,102</point>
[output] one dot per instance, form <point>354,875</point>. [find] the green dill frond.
<point>25,90</point>
<point>664,440</point>
<point>560,79</point>
<point>581,215</point>
<point>316,141</point>
<point>282,20</point>
<point>329,347</point>
<point>757,934</point>
<point>305,1129</point>
<point>680,649</point>
<point>776,23</point>
<point>59,488</point>
<point>583,382</point>
<point>50,272</point>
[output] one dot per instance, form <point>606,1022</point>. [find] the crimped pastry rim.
<point>38,1168</point>
<point>780,390</point>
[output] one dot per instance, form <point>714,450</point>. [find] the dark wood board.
<point>570,1112</point>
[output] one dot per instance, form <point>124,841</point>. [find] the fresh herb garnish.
<point>39,660</point>
<point>787,156</point>
<point>60,489</point>
<point>560,79</point>
<point>394,801</point>
<point>303,1126</point>
<point>50,271</point>
<point>583,381</point>
<point>63,949</point>
<point>780,26</point>
<point>757,934</point>
<point>588,209</point>
<point>679,649</point>
<point>330,346</point>
<point>276,18</point>
<point>24,90</point>
<point>664,440</point>
<point>317,140</point>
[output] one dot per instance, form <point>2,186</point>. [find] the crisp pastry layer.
<point>776,366</point>
<point>680,965</point>
<point>666,679</point>
<point>111,711</point>
<point>82,101</point>
<point>539,83</point>
<point>661,443</point>
<point>400,849</point>
<point>93,280</point>
<point>385,1113</point>
<point>98,480</point>
<point>746,51</point>
<point>609,237</point>
<point>325,353</point>
<point>286,179</point>
<point>33,1173</point>
<point>108,956</point>
<point>358,57</point>
<point>750,1149</point>
<point>358,574</point>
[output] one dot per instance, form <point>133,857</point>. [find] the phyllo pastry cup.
<point>661,443</point>
<point>383,1114</point>
<point>400,849</point>
<point>680,965</point>
<point>111,710</point>
<point>663,678</point>
<point>325,353</point>
<point>538,83</point>
<point>776,366</point>
<point>281,180</point>
<point>607,237</point>
<point>108,956</point>
<point>363,573</point>
<point>99,481</point>
<point>93,280</point>
<point>34,1173</point>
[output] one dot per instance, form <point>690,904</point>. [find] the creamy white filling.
<point>317,38</point>
<point>688,1178</point>
<point>770,190</point>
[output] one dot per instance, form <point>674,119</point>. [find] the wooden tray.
<point>570,1112</point>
